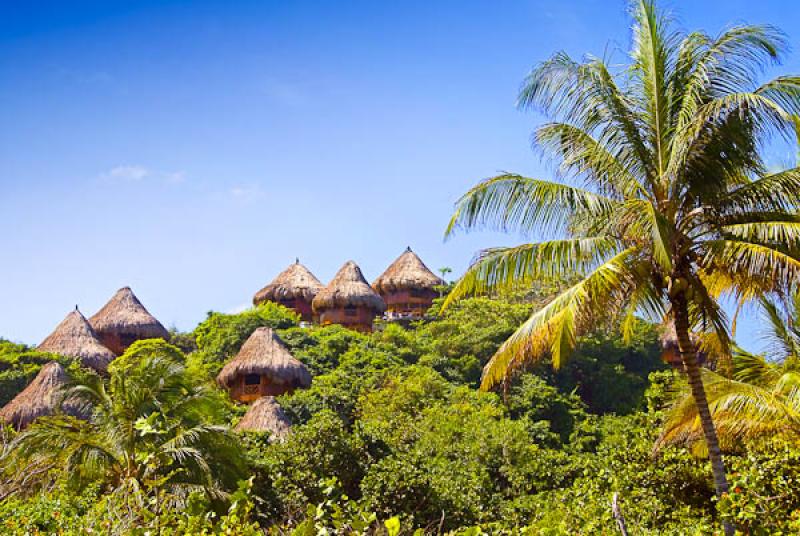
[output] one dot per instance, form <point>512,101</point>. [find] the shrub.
<point>19,364</point>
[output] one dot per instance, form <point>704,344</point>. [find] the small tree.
<point>150,427</point>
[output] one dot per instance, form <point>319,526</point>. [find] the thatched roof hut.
<point>349,300</point>
<point>263,367</point>
<point>407,286</point>
<point>124,320</point>
<point>670,352</point>
<point>37,399</point>
<point>405,273</point>
<point>266,415</point>
<point>295,288</point>
<point>74,337</point>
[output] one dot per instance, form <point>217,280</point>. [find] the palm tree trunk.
<point>689,358</point>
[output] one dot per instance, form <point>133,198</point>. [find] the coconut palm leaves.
<point>662,160</point>
<point>504,203</point>
<point>151,426</point>
<point>663,203</point>
<point>761,399</point>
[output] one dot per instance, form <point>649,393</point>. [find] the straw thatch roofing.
<point>669,343</point>
<point>74,337</point>
<point>348,288</point>
<point>407,272</point>
<point>124,313</point>
<point>266,415</point>
<point>296,281</point>
<point>38,398</point>
<point>264,354</point>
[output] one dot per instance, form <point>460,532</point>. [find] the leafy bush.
<point>321,348</point>
<point>19,364</point>
<point>609,374</point>
<point>460,343</point>
<point>551,417</point>
<point>297,470</point>
<point>764,495</point>
<point>362,366</point>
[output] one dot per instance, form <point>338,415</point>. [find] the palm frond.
<point>781,339</point>
<point>504,269</point>
<point>740,411</point>
<point>513,202</point>
<point>753,369</point>
<point>778,193</point>
<point>706,315</point>
<point>750,267</point>
<point>641,218</point>
<point>645,299</point>
<point>553,328</point>
<point>652,45</point>
<point>596,161</point>
<point>783,233</point>
<point>723,138</point>
<point>726,64</point>
<point>586,96</point>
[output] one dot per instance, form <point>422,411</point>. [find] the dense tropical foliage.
<point>666,206</point>
<point>391,433</point>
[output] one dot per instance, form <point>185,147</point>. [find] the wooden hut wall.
<point>357,318</point>
<point>119,342</point>
<point>247,392</point>
<point>415,301</point>
<point>301,307</point>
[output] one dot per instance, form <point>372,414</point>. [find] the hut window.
<point>252,379</point>
<point>418,293</point>
<point>350,311</point>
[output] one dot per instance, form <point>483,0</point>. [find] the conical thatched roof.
<point>264,354</point>
<point>669,344</point>
<point>74,337</point>
<point>348,288</point>
<point>406,272</point>
<point>296,281</point>
<point>37,399</point>
<point>124,313</point>
<point>266,415</point>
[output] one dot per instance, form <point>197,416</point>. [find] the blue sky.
<point>192,150</point>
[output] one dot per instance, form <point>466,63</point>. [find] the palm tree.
<point>760,400</point>
<point>150,427</point>
<point>664,202</point>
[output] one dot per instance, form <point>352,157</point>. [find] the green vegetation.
<point>18,366</point>
<point>666,202</point>
<point>758,397</point>
<point>670,208</point>
<point>391,431</point>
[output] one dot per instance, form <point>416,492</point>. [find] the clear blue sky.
<point>192,149</point>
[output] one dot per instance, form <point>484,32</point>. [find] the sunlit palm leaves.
<point>661,161</point>
<point>150,425</point>
<point>761,400</point>
<point>505,203</point>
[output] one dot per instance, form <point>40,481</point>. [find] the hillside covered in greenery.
<point>392,435</point>
<point>589,382</point>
